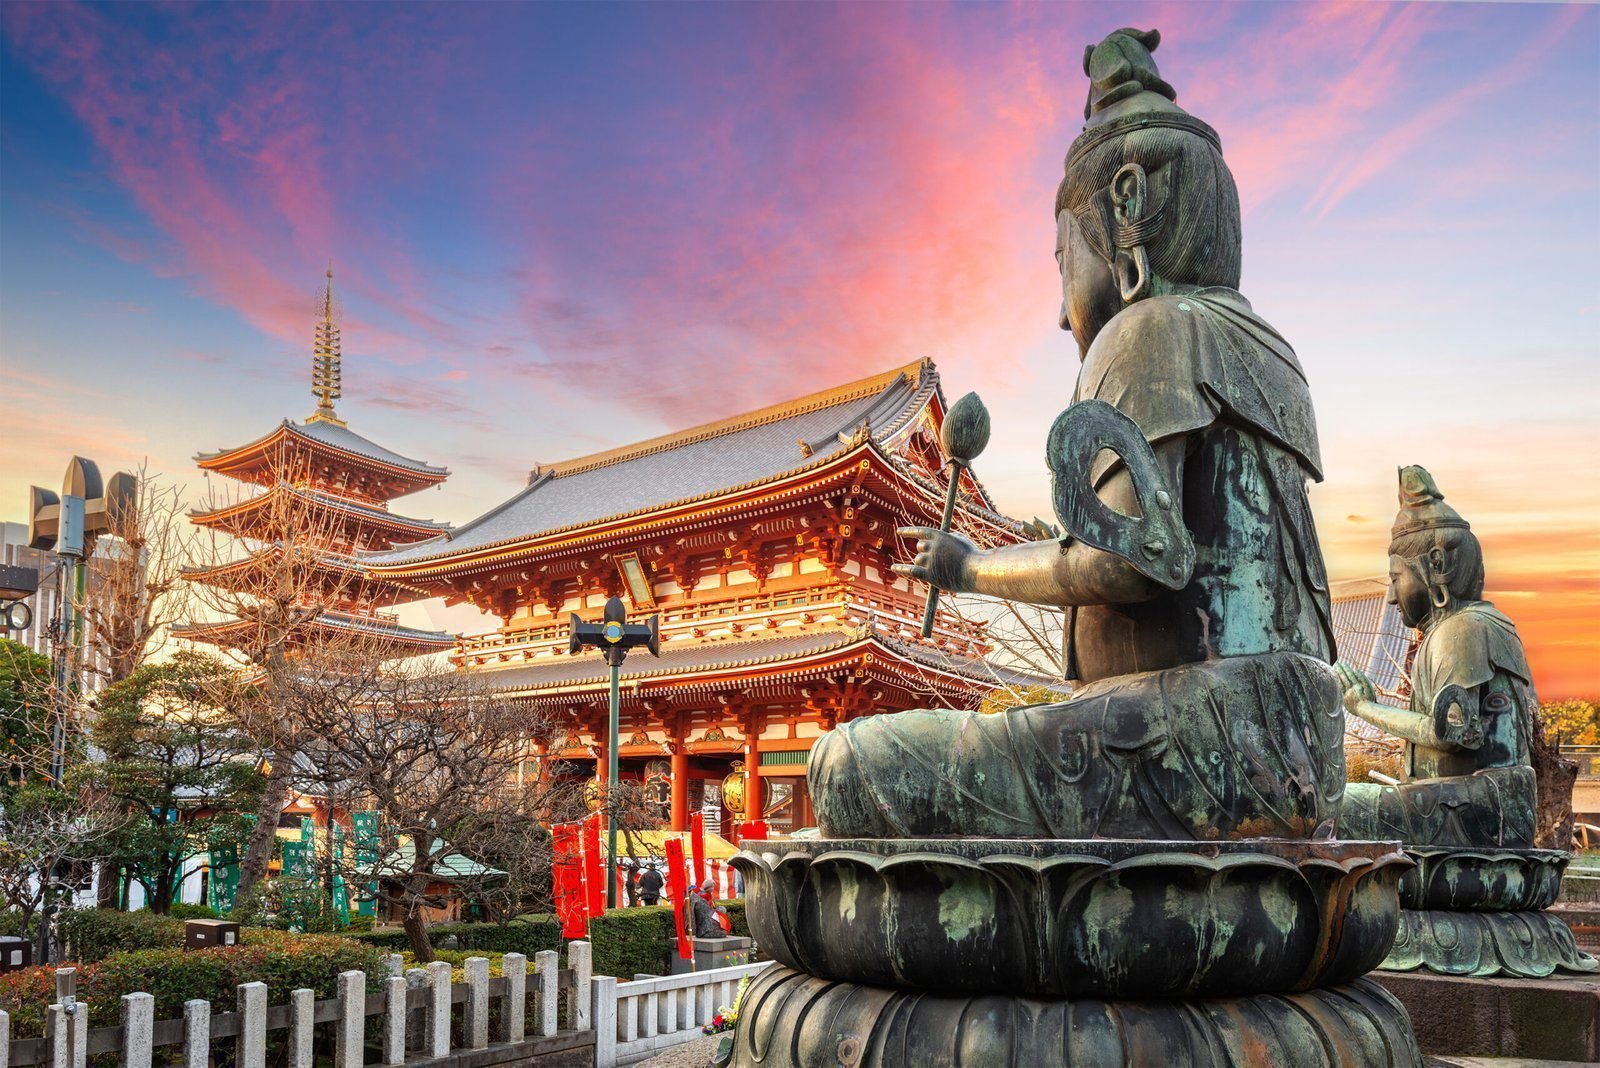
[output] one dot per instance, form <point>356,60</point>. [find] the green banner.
<point>223,886</point>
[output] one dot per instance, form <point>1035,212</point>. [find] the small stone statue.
<point>1467,776</point>
<point>1207,709</point>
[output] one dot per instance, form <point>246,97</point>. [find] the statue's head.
<point>1434,558</point>
<point>1147,204</point>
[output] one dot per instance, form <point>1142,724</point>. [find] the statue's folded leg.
<point>1239,747</point>
<point>1491,808</point>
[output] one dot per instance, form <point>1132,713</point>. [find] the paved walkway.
<point>696,1054</point>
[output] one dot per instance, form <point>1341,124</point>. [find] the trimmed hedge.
<point>182,911</point>
<point>629,942</point>
<point>93,934</point>
<point>528,935</point>
<point>285,962</point>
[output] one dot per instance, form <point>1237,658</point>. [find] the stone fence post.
<point>138,1029</point>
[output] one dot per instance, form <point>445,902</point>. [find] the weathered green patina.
<point>788,1017</point>
<point>1145,873</point>
<point>1112,918</point>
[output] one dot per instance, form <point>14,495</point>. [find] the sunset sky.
<point>560,228</point>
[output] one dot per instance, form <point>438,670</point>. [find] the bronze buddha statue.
<point>1206,707</point>
<point>1468,780</point>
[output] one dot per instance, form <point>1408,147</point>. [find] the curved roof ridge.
<point>338,438</point>
<point>827,398</point>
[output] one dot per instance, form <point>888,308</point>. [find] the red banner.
<point>567,878</point>
<point>594,868</point>
<point>755,830</point>
<point>697,843</point>
<point>677,894</point>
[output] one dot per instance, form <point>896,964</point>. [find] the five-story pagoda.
<point>322,495</point>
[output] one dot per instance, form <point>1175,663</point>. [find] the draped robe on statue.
<point>1205,712</point>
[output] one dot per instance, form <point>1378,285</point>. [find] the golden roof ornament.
<point>326,374</point>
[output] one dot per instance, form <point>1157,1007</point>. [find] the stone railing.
<point>634,1020</point>
<point>417,1008</point>
<point>1587,758</point>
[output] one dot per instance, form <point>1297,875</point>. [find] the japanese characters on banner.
<point>594,865</point>
<point>697,844</point>
<point>676,893</point>
<point>572,900</point>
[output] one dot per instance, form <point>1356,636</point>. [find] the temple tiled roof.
<point>337,437</point>
<point>729,455</point>
<point>589,669</point>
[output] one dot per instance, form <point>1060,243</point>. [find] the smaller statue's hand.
<point>944,559</point>
<point>1356,686</point>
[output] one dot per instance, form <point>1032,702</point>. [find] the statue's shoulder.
<point>1152,341</point>
<point>1473,643</point>
<point>1177,363</point>
<point>1146,336</point>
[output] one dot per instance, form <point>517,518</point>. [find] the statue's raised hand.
<point>944,559</point>
<point>1356,686</point>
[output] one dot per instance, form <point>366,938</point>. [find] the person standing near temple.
<point>650,882</point>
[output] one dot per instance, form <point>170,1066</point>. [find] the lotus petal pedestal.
<point>1008,951</point>
<point>1480,912</point>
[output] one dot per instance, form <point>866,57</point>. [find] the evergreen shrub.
<point>629,942</point>
<point>92,934</point>
<point>527,935</point>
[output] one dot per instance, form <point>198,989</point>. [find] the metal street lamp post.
<point>613,635</point>
<point>68,525</point>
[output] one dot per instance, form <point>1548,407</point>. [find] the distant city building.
<point>332,487</point>
<point>46,604</point>
<point>765,542</point>
<point>14,551</point>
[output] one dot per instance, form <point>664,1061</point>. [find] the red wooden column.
<point>752,770</point>
<point>680,786</point>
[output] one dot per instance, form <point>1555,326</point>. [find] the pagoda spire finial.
<point>326,374</point>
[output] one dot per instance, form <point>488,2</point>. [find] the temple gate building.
<point>765,542</point>
<point>331,488</point>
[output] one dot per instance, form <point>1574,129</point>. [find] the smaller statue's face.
<point>1408,591</point>
<point>1089,293</point>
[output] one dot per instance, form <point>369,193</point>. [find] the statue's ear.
<point>1438,563</point>
<point>1130,199</point>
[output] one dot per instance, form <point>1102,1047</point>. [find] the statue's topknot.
<point>1120,68</point>
<point>1422,506</point>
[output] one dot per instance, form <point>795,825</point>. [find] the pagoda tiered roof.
<point>696,468</point>
<point>245,517</point>
<point>324,445</point>
<point>403,640</point>
<point>340,576</point>
<point>327,488</point>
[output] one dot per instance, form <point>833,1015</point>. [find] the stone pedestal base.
<point>1525,945</point>
<point>1547,1020</point>
<point>711,953</point>
<point>1480,912</point>
<point>789,1018</point>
